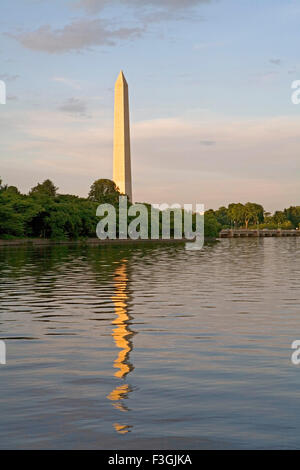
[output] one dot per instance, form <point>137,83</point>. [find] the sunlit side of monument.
<point>122,159</point>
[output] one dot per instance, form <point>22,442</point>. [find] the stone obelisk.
<point>122,160</point>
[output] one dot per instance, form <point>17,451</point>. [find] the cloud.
<point>7,77</point>
<point>67,81</point>
<point>85,33</point>
<point>206,45</point>
<point>74,106</point>
<point>254,159</point>
<point>265,77</point>
<point>275,61</point>
<point>94,6</point>
<point>207,142</point>
<point>75,36</point>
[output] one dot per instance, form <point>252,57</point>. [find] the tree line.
<point>45,213</point>
<point>252,215</point>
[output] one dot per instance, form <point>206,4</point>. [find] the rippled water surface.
<point>150,346</point>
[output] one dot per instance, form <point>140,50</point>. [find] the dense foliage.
<point>252,215</point>
<point>46,213</point>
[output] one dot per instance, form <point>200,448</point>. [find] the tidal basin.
<point>150,346</point>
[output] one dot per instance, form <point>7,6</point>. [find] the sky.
<point>212,119</point>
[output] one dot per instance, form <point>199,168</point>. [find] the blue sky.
<point>210,96</point>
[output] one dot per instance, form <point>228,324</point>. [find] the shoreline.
<point>89,241</point>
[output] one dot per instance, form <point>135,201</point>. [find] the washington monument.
<point>122,161</point>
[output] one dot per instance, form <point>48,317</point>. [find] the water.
<point>150,346</point>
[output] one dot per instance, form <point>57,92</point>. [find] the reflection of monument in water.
<point>122,338</point>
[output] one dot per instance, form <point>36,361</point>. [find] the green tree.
<point>236,213</point>
<point>254,213</point>
<point>46,188</point>
<point>104,190</point>
<point>212,227</point>
<point>279,217</point>
<point>13,190</point>
<point>2,187</point>
<point>293,214</point>
<point>222,217</point>
<point>11,223</point>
